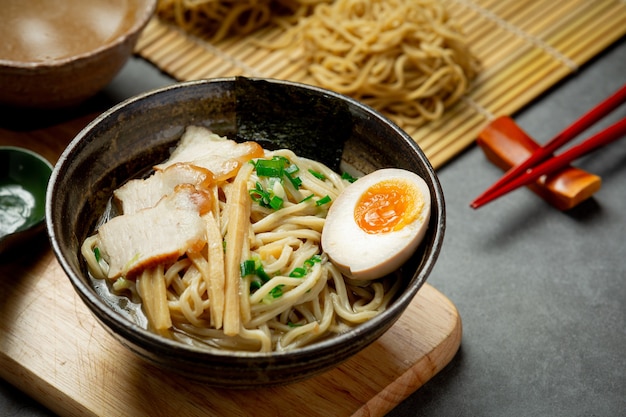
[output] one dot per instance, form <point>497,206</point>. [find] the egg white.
<point>367,256</point>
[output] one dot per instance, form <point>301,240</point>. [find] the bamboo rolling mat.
<point>524,46</point>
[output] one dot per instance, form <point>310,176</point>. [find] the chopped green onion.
<point>308,197</point>
<point>291,324</point>
<point>292,169</point>
<point>277,291</point>
<point>265,198</point>
<point>258,193</point>
<point>277,167</point>
<point>273,182</point>
<point>313,260</point>
<point>247,267</point>
<point>255,284</point>
<point>348,177</point>
<point>308,264</point>
<point>269,168</point>
<point>295,181</point>
<point>96,252</point>
<point>260,272</point>
<point>322,201</point>
<point>254,267</point>
<point>318,175</point>
<point>298,273</point>
<point>276,202</point>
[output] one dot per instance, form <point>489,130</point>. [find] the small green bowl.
<point>24,178</point>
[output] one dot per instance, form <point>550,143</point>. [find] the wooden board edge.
<point>41,390</point>
<point>422,371</point>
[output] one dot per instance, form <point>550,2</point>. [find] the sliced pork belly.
<point>143,193</point>
<point>133,242</point>
<point>201,147</point>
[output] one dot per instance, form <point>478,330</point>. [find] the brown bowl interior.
<point>68,81</point>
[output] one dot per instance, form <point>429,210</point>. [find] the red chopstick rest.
<point>505,144</point>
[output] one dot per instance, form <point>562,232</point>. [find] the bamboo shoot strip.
<point>238,207</point>
<point>216,271</point>
<point>151,286</point>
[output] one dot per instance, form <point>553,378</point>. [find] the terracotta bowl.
<point>76,72</point>
<point>140,132</point>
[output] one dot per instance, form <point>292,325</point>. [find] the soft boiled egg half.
<point>376,223</point>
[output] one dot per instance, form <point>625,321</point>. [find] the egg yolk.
<point>388,206</point>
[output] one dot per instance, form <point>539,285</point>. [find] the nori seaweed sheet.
<point>277,116</point>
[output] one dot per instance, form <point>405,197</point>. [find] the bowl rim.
<point>137,26</point>
<point>26,151</point>
<point>134,333</point>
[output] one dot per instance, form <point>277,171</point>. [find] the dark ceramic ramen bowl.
<point>140,132</point>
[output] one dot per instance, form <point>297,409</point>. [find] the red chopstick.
<point>613,132</point>
<point>546,151</point>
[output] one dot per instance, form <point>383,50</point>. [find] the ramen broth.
<point>48,30</point>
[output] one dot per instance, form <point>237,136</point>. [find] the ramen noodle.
<point>216,19</point>
<point>406,58</point>
<point>221,245</point>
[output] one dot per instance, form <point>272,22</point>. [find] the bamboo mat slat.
<point>524,46</point>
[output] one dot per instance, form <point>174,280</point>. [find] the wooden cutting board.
<point>52,348</point>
